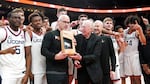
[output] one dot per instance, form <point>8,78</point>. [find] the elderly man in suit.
<point>89,48</point>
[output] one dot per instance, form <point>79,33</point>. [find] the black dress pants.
<point>57,78</point>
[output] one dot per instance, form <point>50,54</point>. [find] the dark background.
<point>5,7</point>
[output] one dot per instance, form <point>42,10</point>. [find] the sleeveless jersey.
<point>38,60</point>
<point>132,65</point>
<point>12,65</point>
<point>132,43</point>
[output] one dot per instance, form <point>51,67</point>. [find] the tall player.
<point>38,61</point>
<point>15,67</point>
<point>132,36</point>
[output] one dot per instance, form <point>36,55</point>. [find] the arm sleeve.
<point>112,55</point>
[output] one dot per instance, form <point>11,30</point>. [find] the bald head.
<point>98,25</point>
<point>98,22</point>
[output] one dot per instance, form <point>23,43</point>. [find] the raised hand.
<point>74,23</point>
<point>137,26</point>
<point>145,20</point>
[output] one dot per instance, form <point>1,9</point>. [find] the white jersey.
<point>12,65</point>
<point>38,60</point>
<point>132,43</point>
<point>131,55</point>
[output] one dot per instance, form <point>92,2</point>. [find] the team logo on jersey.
<point>22,36</point>
<point>128,38</point>
<point>10,40</point>
<point>9,37</point>
<point>37,40</point>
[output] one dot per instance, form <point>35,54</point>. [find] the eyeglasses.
<point>67,22</point>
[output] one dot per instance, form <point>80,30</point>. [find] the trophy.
<point>67,42</point>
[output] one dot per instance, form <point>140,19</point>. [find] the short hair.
<point>40,13</point>
<point>16,10</point>
<point>107,19</point>
<point>82,15</point>
<point>32,15</point>
<point>117,27</point>
<point>89,22</point>
<point>45,18</point>
<point>60,10</point>
<point>60,17</point>
<point>99,21</point>
<point>131,19</point>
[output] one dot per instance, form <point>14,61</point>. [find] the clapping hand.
<point>145,20</point>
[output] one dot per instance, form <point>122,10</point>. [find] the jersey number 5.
<point>17,50</point>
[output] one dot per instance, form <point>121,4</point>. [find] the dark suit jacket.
<point>108,54</point>
<point>90,56</point>
<point>51,45</point>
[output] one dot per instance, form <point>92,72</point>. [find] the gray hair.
<point>63,16</point>
<point>88,22</point>
<point>99,21</point>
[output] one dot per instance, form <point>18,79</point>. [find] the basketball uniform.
<point>121,61</point>
<point>38,61</point>
<point>131,55</point>
<point>13,66</point>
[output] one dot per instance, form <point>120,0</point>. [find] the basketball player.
<point>108,24</point>
<point>60,11</point>
<point>132,36</point>
<point>38,61</point>
<point>123,44</point>
<point>15,66</point>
